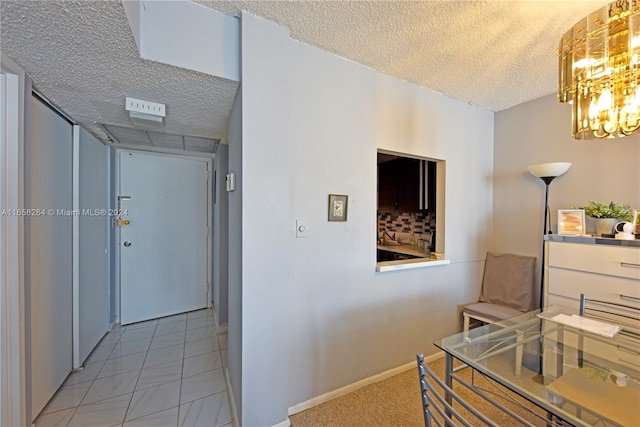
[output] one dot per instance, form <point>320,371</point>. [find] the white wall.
<point>172,32</point>
<point>234,347</point>
<point>220,271</point>
<point>346,322</point>
<point>15,360</point>
<point>265,221</point>
<point>114,269</point>
<point>539,131</point>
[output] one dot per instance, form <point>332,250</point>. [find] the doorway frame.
<point>13,347</point>
<point>206,157</point>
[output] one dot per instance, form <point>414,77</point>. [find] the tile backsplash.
<point>406,222</point>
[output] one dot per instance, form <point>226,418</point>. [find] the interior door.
<point>93,229</point>
<point>163,249</point>
<point>48,263</point>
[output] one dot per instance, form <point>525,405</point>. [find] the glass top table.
<point>577,376</point>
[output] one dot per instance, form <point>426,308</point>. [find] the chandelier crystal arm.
<point>599,72</point>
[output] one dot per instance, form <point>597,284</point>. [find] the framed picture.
<point>571,221</point>
<point>636,221</point>
<point>338,204</point>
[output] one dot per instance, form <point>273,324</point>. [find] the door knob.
<point>127,244</point>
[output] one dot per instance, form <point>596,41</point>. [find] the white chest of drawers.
<point>602,272</point>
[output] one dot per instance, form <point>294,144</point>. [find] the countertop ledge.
<point>408,264</point>
<point>593,240</point>
<point>405,249</point>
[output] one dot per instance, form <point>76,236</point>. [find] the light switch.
<point>301,228</point>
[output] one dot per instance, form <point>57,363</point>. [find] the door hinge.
<point>206,286</point>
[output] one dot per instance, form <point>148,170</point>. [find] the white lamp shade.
<point>549,169</point>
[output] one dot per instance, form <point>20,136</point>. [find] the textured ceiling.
<point>81,55</point>
<point>493,54</point>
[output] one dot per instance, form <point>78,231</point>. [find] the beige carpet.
<point>396,402</point>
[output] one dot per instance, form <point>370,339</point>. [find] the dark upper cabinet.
<point>387,186</point>
<point>406,184</point>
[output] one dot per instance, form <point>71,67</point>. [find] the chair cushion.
<point>494,312</point>
<point>509,281</point>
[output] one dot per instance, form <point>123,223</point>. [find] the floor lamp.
<point>547,172</point>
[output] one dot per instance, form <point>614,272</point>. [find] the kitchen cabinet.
<point>406,184</point>
<point>387,186</point>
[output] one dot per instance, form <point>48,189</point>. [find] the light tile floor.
<point>165,372</point>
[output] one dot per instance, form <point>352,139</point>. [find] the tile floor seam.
<point>77,408</point>
<point>152,413</point>
<point>102,400</point>
<point>202,319</point>
<point>193,401</point>
<point>205,372</point>
<point>73,414</point>
<point>204,397</point>
<point>85,395</point>
<point>182,371</point>
<point>137,379</point>
<point>120,371</point>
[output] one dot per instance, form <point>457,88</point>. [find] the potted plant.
<point>605,216</point>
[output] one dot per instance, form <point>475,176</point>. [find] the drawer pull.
<point>616,304</point>
<point>629,264</point>
<point>623,296</point>
<point>627,350</point>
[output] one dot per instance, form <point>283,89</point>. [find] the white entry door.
<point>163,249</point>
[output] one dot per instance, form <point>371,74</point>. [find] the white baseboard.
<point>359,384</point>
<point>232,400</point>
<point>234,409</point>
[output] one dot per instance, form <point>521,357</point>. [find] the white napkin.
<point>589,325</point>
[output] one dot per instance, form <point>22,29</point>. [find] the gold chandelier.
<point>600,71</point>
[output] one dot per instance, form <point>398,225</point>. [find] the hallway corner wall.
<point>235,255</point>
<point>113,264</point>
<point>220,271</point>
<point>265,253</point>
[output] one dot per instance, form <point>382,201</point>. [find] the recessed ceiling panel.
<point>166,140</point>
<point>200,144</point>
<point>123,135</point>
<point>134,136</point>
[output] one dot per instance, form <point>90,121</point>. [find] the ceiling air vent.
<point>150,138</point>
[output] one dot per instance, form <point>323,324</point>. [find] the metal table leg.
<point>448,372</point>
